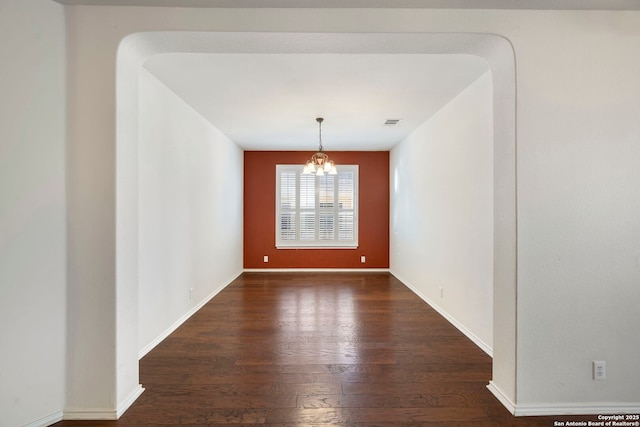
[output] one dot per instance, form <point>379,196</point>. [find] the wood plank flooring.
<point>317,349</point>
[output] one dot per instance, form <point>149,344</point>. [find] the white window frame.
<point>336,243</point>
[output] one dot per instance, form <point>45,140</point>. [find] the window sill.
<point>317,247</point>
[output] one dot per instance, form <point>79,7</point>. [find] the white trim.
<point>319,270</point>
<point>47,421</point>
<point>317,247</point>
<point>502,398</point>
<point>317,210</point>
<point>575,409</point>
<point>476,340</point>
<point>128,401</point>
<point>528,410</point>
<point>90,414</point>
<point>100,414</point>
<point>146,349</point>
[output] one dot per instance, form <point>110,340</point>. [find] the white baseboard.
<point>104,414</point>
<point>128,401</point>
<point>319,270</point>
<point>527,410</point>
<point>576,409</point>
<point>47,421</point>
<point>477,341</point>
<point>146,349</point>
<point>502,398</point>
<point>90,414</point>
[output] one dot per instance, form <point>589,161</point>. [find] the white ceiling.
<point>271,101</point>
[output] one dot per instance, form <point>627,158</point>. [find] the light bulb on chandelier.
<point>319,164</point>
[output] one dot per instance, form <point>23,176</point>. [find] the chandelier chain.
<point>319,120</point>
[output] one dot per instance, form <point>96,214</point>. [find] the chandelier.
<point>319,164</point>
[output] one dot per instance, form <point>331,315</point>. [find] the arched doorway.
<point>135,49</point>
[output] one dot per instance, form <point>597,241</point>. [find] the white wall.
<point>579,205</point>
<point>32,212</point>
<point>190,210</point>
<point>91,219</point>
<point>577,133</point>
<point>442,211</point>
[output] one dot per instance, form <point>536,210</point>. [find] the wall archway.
<point>135,49</point>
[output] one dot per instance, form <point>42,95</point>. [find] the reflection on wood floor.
<point>339,349</point>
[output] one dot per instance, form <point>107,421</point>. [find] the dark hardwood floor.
<point>350,349</point>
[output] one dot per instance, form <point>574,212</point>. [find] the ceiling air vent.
<point>391,122</point>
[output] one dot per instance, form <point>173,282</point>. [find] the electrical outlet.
<point>363,259</point>
<point>599,370</point>
<point>190,293</point>
<point>266,258</point>
<point>441,289</point>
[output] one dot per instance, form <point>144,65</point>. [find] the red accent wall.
<point>260,212</point>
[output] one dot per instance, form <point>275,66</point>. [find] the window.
<point>316,211</point>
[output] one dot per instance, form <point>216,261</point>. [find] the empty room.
<point>347,213</point>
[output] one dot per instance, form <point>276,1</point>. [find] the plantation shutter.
<point>316,211</point>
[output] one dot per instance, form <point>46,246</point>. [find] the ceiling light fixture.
<point>319,163</point>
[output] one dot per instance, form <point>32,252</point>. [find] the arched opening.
<point>498,53</point>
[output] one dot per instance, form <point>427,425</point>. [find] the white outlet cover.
<point>599,370</point>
